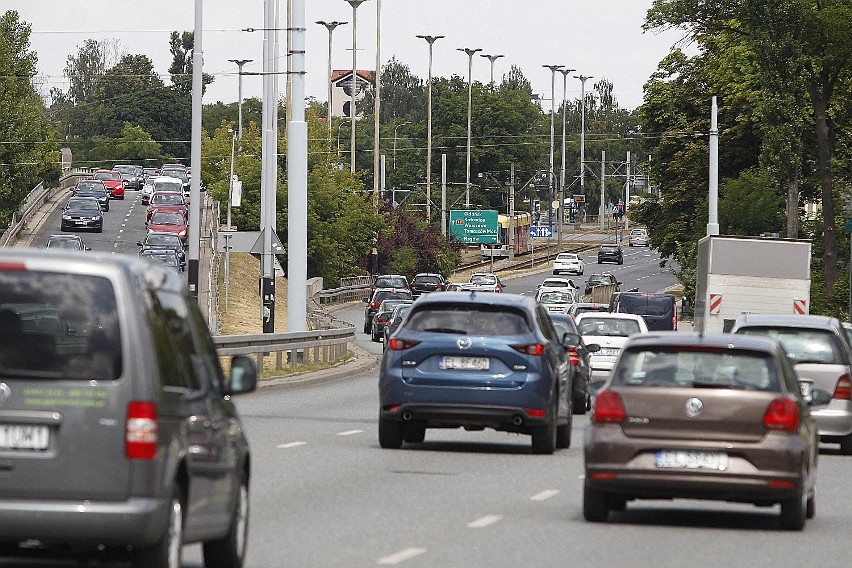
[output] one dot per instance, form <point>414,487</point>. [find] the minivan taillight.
<point>843,390</point>
<point>782,414</point>
<point>140,430</point>
<point>609,408</point>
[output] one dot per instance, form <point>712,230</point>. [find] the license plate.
<point>464,363</point>
<point>20,437</point>
<point>692,460</point>
<point>81,222</point>
<point>612,351</point>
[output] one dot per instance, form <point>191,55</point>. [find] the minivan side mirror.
<point>243,377</point>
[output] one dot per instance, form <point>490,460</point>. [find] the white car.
<point>610,331</point>
<point>147,192</point>
<point>638,238</point>
<point>559,284</point>
<point>569,263</point>
<point>558,301</point>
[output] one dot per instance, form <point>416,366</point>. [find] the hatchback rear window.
<point>695,368</point>
<point>646,304</point>
<point>469,320</point>
<point>390,282</point>
<point>427,280</point>
<point>803,345</point>
<point>58,326</point>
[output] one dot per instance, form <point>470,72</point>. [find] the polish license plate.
<point>464,363</point>
<point>611,351</point>
<point>714,461</point>
<point>21,437</point>
<point>81,222</point>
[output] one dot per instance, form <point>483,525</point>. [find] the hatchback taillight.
<point>381,319</point>
<point>782,414</point>
<point>140,430</point>
<point>531,349</point>
<point>609,408</point>
<point>374,305</point>
<point>397,344</point>
<point>843,390</point>
<point>573,355</point>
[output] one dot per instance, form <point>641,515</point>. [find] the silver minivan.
<point>117,429</point>
<point>819,349</point>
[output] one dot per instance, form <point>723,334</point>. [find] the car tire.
<point>581,404</point>
<point>810,508</point>
<point>100,229</point>
<point>563,433</point>
<point>230,550</point>
<point>544,437</point>
<point>373,337</point>
<point>621,261</point>
<point>390,434</point>
<point>846,445</point>
<point>595,505</point>
<point>794,512</point>
<point>366,328</point>
<point>414,434</point>
<point>167,551</point>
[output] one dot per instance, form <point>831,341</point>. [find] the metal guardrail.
<point>291,348</point>
<point>344,294</point>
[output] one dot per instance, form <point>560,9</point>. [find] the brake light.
<point>535,412</point>
<point>140,430</point>
<point>843,390</point>
<point>397,344</point>
<point>531,349</point>
<point>381,319</point>
<point>374,304</point>
<point>573,355</point>
<point>497,289</point>
<point>782,414</point>
<point>609,408</point>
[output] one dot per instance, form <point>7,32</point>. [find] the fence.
<point>290,349</point>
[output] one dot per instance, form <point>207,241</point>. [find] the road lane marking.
<point>401,556</point>
<point>483,522</point>
<point>350,432</point>
<point>291,444</point>
<point>546,494</point>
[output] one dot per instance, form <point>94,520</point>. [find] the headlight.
<point>66,217</point>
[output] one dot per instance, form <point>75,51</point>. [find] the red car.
<point>113,182</point>
<point>174,223</point>
<point>167,202</point>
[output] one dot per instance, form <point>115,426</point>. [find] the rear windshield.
<point>390,282</point>
<point>649,304</point>
<point>468,319</point>
<point>427,280</point>
<point>555,298</point>
<point>613,327</point>
<point>381,295</point>
<point>674,367</point>
<point>483,279</point>
<point>58,326</point>
<point>803,345</point>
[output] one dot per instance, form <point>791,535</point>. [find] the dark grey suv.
<point>117,428</point>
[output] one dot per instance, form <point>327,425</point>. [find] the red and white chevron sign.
<point>800,307</point>
<point>715,303</point>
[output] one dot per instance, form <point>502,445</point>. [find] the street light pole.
<point>354,4</point>
<point>561,210</point>
<point>552,175</point>
<point>240,63</point>
<point>492,59</point>
<point>583,79</point>
<point>394,142</point>
<point>470,53</point>
<point>330,26</point>
<point>430,39</point>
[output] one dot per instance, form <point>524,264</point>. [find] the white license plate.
<point>20,437</point>
<point>609,351</point>
<point>464,363</point>
<point>682,459</point>
<point>81,222</point>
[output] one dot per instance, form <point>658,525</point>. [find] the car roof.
<point>786,320</point>
<point>610,315</point>
<point>475,298</point>
<point>712,340</point>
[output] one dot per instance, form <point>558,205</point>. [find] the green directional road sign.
<point>474,227</point>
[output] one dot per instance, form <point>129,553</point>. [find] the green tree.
<point>750,205</point>
<point>181,48</point>
<point>84,69</point>
<point>28,152</point>
<point>135,146</point>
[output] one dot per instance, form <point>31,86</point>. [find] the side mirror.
<point>243,377</point>
<point>570,339</point>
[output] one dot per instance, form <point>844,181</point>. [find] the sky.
<point>601,38</point>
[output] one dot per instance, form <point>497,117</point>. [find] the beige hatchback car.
<point>716,417</point>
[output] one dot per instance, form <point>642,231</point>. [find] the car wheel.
<point>414,434</point>
<point>366,328</point>
<point>810,509</point>
<point>846,445</point>
<point>166,553</point>
<point>100,229</point>
<point>544,437</point>
<point>390,434</point>
<point>595,505</point>
<point>230,550</point>
<point>563,433</point>
<point>794,511</point>
<point>621,261</point>
<point>374,337</point>
<point>581,404</point>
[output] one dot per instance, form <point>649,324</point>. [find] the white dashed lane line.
<point>483,522</point>
<point>544,495</point>
<point>291,444</point>
<point>350,432</point>
<point>401,556</point>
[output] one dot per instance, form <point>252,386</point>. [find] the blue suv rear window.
<point>469,320</point>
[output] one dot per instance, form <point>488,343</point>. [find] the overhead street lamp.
<point>561,209</point>
<point>551,175</point>
<point>330,26</point>
<point>354,4</point>
<point>394,141</point>
<point>240,63</point>
<point>470,53</point>
<point>430,39</point>
<point>583,79</point>
<point>492,59</point>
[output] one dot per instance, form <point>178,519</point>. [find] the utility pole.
<point>194,228</point>
<point>602,212</point>
<point>443,195</point>
<point>551,174</point>
<point>377,104</point>
<point>627,195</point>
<point>240,63</point>
<point>511,211</point>
<point>330,27</point>
<point>713,221</point>
<point>470,52</point>
<point>430,40</point>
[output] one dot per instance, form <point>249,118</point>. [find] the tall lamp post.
<point>492,59</point>
<point>240,63</point>
<point>583,79</point>
<point>561,209</point>
<point>470,53</point>
<point>330,26</point>
<point>430,39</point>
<point>354,4</point>
<point>551,175</point>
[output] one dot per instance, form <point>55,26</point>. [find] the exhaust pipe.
<point>517,420</point>
<point>407,416</point>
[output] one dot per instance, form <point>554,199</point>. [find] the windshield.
<point>83,204</point>
<point>111,176</point>
<point>613,327</point>
<point>555,298</point>
<point>167,199</point>
<point>167,219</point>
<point>468,320</point>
